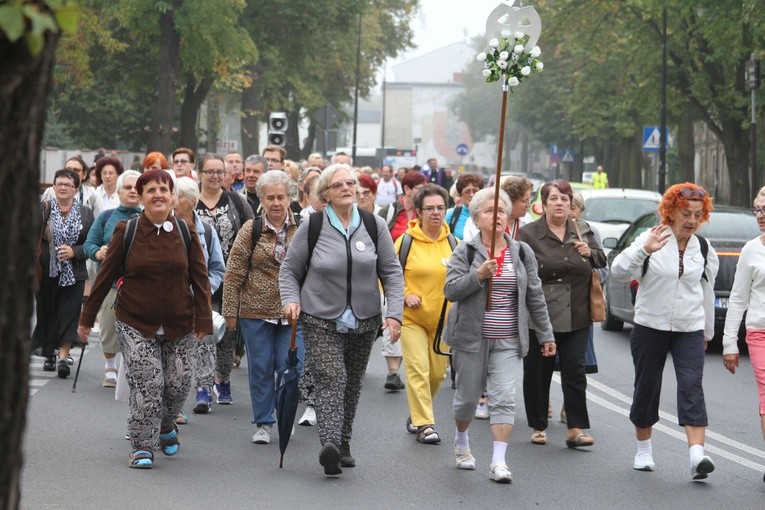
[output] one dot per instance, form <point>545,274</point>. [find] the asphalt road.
<point>76,454</point>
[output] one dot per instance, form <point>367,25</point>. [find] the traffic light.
<point>277,128</point>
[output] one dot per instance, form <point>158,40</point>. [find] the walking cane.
<point>77,374</point>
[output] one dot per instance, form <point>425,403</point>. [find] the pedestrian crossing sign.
<point>652,138</point>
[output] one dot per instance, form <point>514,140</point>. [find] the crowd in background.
<point>407,256</point>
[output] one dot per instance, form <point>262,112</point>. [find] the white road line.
<point>672,431</point>
<point>38,382</point>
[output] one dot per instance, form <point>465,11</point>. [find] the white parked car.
<point>612,210</point>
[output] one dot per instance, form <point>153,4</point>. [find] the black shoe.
<point>62,369</point>
<point>329,457</point>
<point>393,383</point>
<point>50,364</point>
<point>346,459</point>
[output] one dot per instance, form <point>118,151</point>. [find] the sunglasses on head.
<point>692,193</point>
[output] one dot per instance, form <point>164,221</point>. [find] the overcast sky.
<point>443,22</point>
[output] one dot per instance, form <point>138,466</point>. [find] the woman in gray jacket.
<point>492,359</point>
<point>330,282</point>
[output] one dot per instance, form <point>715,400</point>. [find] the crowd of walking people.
<point>190,264</point>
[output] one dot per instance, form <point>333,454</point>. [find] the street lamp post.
<point>752,79</point>
<point>663,106</point>
<point>356,89</point>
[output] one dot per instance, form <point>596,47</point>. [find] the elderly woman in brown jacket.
<point>162,309</point>
<point>565,268</point>
<point>251,292</point>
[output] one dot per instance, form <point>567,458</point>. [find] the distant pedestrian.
<point>155,161</point>
<point>467,186</point>
<point>398,214</point>
<point>600,178</point>
<point>388,187</point>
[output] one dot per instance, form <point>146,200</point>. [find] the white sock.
<point>498,456</point>
<point>461,441</point>
<point>111,362</point>
<point>644,447</point>
<point>696,451</point>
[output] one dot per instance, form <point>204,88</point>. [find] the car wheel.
<point>611,323</point>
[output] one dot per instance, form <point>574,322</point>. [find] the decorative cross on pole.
<point>512,55</point>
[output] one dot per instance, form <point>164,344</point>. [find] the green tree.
<point>308,55</point>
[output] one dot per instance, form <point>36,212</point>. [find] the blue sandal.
<point>141,459</point>
<point>168,442</point>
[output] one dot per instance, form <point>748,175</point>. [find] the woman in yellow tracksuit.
<point>424,251</point>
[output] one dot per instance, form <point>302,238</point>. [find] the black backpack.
<point>315,224</point>
<point>455,218</point>
<point>132,227</point>
<point>406,245</point>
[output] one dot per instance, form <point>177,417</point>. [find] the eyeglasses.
<point>214,172</point>
<point>433,208</point>
<point>180,161</point>
<point>692,193</point>
<point>63,185</point>
<point>273,160</point>
<point>343,184</point>
<point>758,210</point>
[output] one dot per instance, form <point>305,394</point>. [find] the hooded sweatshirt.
<point>425,274</point>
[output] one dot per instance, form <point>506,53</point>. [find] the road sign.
<point>553,149</point>
<point>651,138</point>
<point>568,156</point>
<point>326,117</point>
<point>462,149</point>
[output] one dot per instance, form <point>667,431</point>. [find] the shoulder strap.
<point>315,223</point>
<point>452,241</point>
<point>403,252</point>
<point>390,210</point>
<point>455,218</point>
<point>257,227</point>
<point>185,233</point>
<point>470,254</point>
<point>704,246</point>
<point>130,230</point>
<point>105,217</point>
<point>370,224</point>
<point>233,197</point>
<point>208,237</point>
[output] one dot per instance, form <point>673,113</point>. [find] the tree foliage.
<point>602,75</point>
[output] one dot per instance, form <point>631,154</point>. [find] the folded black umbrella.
<point>287,396</point>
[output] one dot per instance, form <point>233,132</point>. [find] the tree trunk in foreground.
<point>24,82</point>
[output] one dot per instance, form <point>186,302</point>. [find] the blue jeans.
<point>267,347</point>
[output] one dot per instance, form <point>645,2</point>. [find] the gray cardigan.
<point>325,293</point>
<point>465,321</point>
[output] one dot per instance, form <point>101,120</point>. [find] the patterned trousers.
<point>224,352</point>
<point>337,362</point>
<point>159,377</point>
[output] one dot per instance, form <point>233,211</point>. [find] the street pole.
<point>382,123</point>
<point>663,106</point>
<point>356,91</point>
<point>752,79</point>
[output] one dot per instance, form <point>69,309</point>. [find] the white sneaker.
<point>464,458</point>
<point>500,473</point>
<point>482,412</point>
<point>702,468</point>
<point>262,435</point>
<point>644,462</point>
<point>309,417</point>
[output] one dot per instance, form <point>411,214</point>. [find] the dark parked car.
<point>728,229</point>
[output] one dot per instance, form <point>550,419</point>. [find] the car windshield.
<point>725,225</point>
<point>617,209</point>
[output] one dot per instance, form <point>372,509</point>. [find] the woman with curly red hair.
<point>674,313</point>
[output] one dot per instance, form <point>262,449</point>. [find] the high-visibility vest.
<point>599,180</point>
